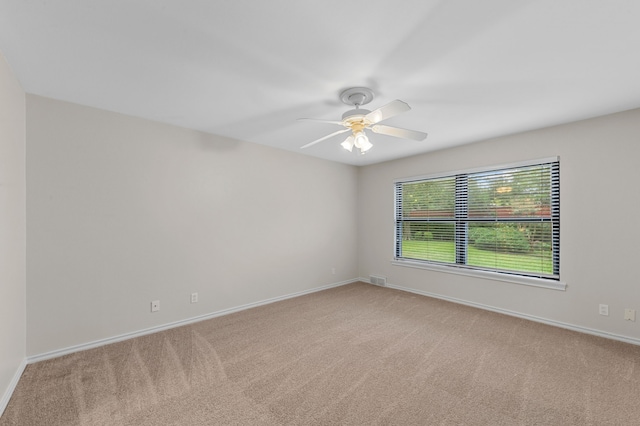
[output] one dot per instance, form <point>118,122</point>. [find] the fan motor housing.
<point>354,113</point>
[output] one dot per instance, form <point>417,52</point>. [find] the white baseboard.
<point>12,386</point>
<point>126,336</point>
<point>555,323</point>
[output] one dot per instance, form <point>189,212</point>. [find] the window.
<point>504,220</point>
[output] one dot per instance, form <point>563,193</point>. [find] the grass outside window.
<point>445,252</point>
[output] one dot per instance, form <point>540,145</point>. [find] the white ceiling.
<point>247,69</point>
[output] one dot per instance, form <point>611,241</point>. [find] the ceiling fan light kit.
<point>359,119</point>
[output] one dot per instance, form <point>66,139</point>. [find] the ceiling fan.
<point>359,119</point>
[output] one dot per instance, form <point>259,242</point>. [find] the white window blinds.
<point>504,220</point>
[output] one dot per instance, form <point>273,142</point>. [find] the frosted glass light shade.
<point>348,143</point>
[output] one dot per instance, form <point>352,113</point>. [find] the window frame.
<point>461,229</point>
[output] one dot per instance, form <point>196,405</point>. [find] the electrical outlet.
<point>155,306</point>
<point>630,314</point>
<point>333,271</point>
<point>194,297</point>
<point>604,310</point>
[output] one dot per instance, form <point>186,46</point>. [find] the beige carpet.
<point>353,355</point>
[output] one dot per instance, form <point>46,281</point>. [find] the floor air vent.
<point>381,281</point>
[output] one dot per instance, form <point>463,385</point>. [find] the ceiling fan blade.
<point>387,111</point>
<point>325,137</point>
<point>321,121</point>
<point>398,133</point>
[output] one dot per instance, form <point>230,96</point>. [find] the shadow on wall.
<point>214,143</point>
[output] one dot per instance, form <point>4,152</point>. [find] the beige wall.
<point>599,172</point>
<point>12,229</point>
<point>123,211</point>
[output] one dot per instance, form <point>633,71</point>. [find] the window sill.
<point>494,276</point>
